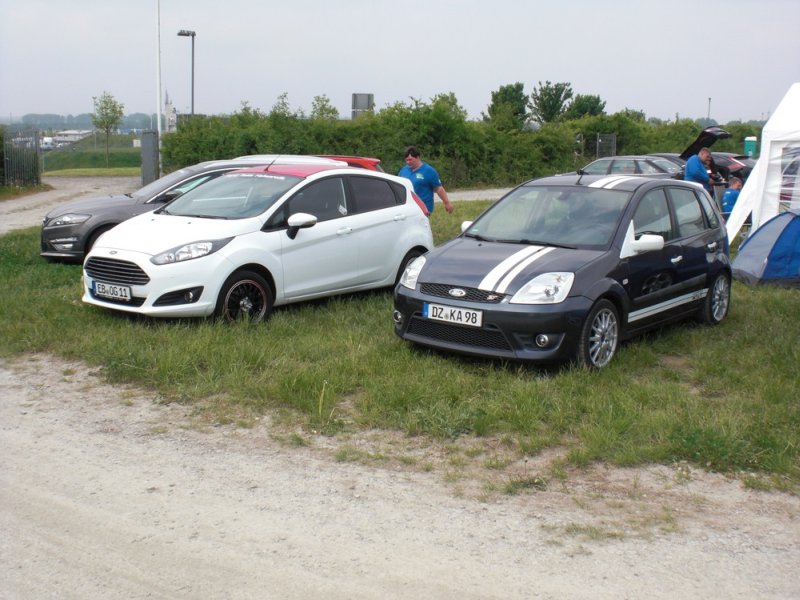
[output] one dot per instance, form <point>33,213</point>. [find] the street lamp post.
<point>191,34</point>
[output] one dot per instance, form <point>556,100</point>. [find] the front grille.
<point>111,270</point>
<point>441,290</point>
<point>479,337</point>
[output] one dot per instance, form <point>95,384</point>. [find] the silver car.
<point>70,230</point>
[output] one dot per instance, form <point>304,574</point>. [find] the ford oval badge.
<point>457,293</point>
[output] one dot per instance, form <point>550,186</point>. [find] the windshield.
<point>162,183</point>
<point>570,216</point>
<point>234,196</point>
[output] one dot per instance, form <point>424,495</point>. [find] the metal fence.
<point>22,158</point>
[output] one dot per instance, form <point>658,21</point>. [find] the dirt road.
<point>106,493</point>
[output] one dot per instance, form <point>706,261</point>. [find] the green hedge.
<point>466,153</point>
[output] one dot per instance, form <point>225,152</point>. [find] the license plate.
<point>451,314</point>
<point>115,292</point>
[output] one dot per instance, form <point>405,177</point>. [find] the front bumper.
<point>65,243</point>
<point>186,289</point>
<point>536,333</point>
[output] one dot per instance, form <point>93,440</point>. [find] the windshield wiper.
<point>202,216</point>
<point>541,243</point>
<point>478,237</point>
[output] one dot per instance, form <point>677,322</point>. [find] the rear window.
<point>371,193</point>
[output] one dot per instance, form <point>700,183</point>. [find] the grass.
<point>721,398</point>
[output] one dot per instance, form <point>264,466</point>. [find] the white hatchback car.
<point>257,238</point>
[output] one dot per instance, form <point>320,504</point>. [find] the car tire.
<point>245,295</point>
<point>717,301</point>
<point>410,255</point>
<point>599,338</point>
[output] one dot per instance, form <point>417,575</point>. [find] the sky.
<point>725,59</point>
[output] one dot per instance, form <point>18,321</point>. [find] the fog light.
<point>397,317</point>
<point>542,340</point>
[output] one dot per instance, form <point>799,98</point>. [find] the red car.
<point>373,164</point>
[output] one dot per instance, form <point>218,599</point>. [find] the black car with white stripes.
<point>564,268</point>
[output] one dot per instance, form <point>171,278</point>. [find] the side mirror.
<point>170,195</point>
<point>647,243</point>
<point>299,221</point>
<point>465,225</point>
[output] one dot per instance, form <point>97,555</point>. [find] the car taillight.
<point>421,204</point>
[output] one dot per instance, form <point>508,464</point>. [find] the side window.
<point>324,199</point>
<point>652,216</point>
<point>598,167</point>
<point>711,216</point>
<point>623,166</point>
<point>646,167</point>
<point>371,193</point>
<point>688,214</point>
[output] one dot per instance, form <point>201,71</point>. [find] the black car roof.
<point>626,183</point>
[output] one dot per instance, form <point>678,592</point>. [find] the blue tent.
<point>771,254</point>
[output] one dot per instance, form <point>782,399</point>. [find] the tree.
<point>509,108</point>
<point>107,115</point>
<point>548,101</point>
<point>321,108</point>
<point>584,106</point>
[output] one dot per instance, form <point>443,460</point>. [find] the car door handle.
<point>676,259</point>
<point>344,231</point>
<point>399,217</point>
<point>711,247</point>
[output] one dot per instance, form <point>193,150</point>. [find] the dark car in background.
<point>733,165</point>
<point>70,230</point>
<point>564,268</point>
<point>645,166</point>
<point>724,164</point>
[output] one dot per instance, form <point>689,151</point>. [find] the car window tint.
<point>370,193</point>
<point>646,167</point>
<point>711,216</point>
<point>688,213</point>
<point>324,199</point>
<point>652,215</point>
<point>625,166</point>
<point>598,167</point>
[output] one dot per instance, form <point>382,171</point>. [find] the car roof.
<point>291,159</point>
<point>297,170</point>
<point>625,183</point>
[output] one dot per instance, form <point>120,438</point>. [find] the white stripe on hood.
<point>493,277</point>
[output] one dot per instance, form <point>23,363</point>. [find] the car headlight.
<point>68,219</point>
<point>189,251</point>
<point>547,288</point>
<point>411,274</point>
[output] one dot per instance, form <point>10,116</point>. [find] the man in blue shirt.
<point>424,179</point>
<point>697,168</point>
<point>731,195</point>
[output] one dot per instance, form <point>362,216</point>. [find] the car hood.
<point>499,267</point>
<point>706,139</point>
<point>91,205</point>
<point>154,233</point>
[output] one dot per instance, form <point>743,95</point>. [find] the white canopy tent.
<point>774,184</point>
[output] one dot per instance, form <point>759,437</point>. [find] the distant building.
<point>171,115</point>
<point>69,136</point>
